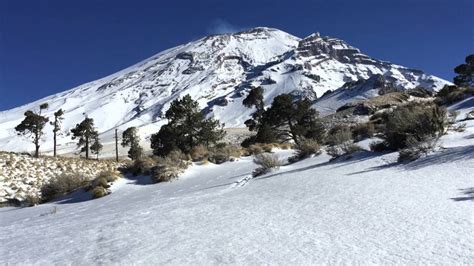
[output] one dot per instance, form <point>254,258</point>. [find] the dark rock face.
<point>358,108</point>
<point>326,93</point>
<point>293,68</point>
<point>322,47</point>
<point>185,56</point>
<point>315,45</point>
<point>364,109</point>
<point>192,69</point>
<point>268,81</point>
<point>221,102</point>
<point>384,85</point>
<point>307,93</point>
<point>238,93</point>
<point>222,58</point>
<point>420,92</point>
<point>312,76</point>
<point>194,65</point>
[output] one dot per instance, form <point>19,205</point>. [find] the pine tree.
<point>465,77</point>
<point>292,119</point>
<point>131,138</point>
<point>32,126</point>
<point>58,117</point>
<point>96,146</point>
<point>86,133</point>
<point>210,132</point>
<point>187,127</point>
<point>264,133</point>
<point>254,100</point>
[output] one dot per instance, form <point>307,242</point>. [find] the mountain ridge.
<point>217,71</point>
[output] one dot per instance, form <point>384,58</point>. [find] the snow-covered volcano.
<point>216,70</point>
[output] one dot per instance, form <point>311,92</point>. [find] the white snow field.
<point>367,209</point>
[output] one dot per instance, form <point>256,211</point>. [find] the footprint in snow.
<point>242,182</point>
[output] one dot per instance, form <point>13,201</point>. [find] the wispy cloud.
<point>220,26</point>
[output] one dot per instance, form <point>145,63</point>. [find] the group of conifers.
<point>34,123</point>
<point>287,119</point>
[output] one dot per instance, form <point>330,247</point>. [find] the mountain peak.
<point>259,30</point>
<point>217,71</point>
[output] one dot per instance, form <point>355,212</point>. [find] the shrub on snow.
<point>254,149</point>
<point>346,148</point>
<point>304,149</point>
<point>338,135</point>
<point>62,185</point>
<point>100,182</point>
<point>169,167</point>
<point>223,153</point>
<point>142,166</point>
<point>363,131</point>
<point>266,162</point>
<point>416,149</point>
<point>109,175</point>
<point>199,153</point>
<point>99,192</point>
<point>414,122</point>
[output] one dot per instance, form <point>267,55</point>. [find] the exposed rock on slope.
<point>217,71</point>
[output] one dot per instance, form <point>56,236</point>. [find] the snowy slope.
<point>217,71</point>
<point>365,210</point>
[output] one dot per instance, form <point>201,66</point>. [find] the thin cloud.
<point>220,26</point>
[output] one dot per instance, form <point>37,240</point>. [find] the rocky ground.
<point>21,176</point>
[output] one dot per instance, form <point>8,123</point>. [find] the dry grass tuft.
<point>266,162</point>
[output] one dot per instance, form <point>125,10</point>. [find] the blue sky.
<point>51,46</point>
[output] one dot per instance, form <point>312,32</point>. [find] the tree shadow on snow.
<point>138,180</point>
<point>375,168</point>
<point>293,171</point>
<point>444,156</point>
<point>468,103</point>
<point>76,196</point>
<point>356,157</point>
<point>468,192</point>
<point>338,162</point>
<point>469,137</point>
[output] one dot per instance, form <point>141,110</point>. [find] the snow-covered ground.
<point>366,209</point>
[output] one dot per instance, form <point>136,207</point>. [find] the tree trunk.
<point>291,133</point>
<point>37,146</point>
<point>87,147</point>
<point>37,150</point>
<point>116,145</point>
<point>54,140</point>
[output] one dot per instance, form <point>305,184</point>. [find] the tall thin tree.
<point>58,117</point>
<point>116,145</point>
